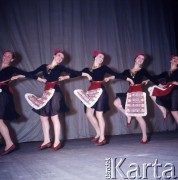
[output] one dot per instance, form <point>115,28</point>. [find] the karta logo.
<point>119,168</point>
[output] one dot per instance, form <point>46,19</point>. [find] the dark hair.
<point>57,51</point>
<point>97,55</point>
<point>13,53</point>
<point>144,55</point>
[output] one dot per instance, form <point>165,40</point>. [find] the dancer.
<point>136,73</point>
<point>7,110</point>
<point>169,102</point>
<point>56,104</point>
<point>95,114</point>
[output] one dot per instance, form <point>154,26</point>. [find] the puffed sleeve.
<point>150,77</point>
<point>160,76</point>
<point>117,75</point>
<point>38,70</point>
<point>85,70</point>
<point>18,71</point>
<point>72,73</point>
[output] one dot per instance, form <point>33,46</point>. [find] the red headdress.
<point>172,57</point>
<point>95,53</point>
<point>139,53</point>
<point>7,50</point>
<point>56,51</point>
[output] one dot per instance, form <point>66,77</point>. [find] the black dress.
<point>137,79</point>
<point>7,107</point>
<point>98,75</point>
<point>169,101</point>
<point>57,103</point>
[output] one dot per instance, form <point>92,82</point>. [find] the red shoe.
<point>165,118</point>
<point>8,150</point>
<point>144,142</point>
<point>129,120</point>
<point>94,139</point>
<point>44,146</point>
<point>101,143</point>
<point>129,124</point>
<point>56,148</point>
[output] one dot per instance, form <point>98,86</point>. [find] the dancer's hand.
<point>130,81</point>
<point>161,85</point>
<point>87,75</point>
<point>145,82</point>
<point>41,80</point>
<point>107,79</point>
<point>175,83</point>
<point>62,78</point>
<point>17,77</point>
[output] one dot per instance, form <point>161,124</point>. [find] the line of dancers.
<point>52,73</point>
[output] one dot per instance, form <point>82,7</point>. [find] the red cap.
<point>56,51</point>
<point>172,56</point>
<point>139,53</point>
<point>95,53</point>
<point>7,50</point>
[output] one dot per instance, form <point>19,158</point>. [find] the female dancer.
<point>7,110</point>
<point>136,73</point>
<point>95,114</point>
<point>56,104</point>
<point>169,102</point>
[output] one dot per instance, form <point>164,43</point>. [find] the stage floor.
<point>80,159</point>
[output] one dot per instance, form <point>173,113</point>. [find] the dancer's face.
<point>58,58</point>
<point>139,59</point>
<point>174,60</point>
<point>99,59</point>
<point>7,58</point>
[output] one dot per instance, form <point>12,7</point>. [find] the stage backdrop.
<point>119,28</point>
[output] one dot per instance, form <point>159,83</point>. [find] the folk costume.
<point>170,100</point>
<point>7,110</point>
<point>98,75</point>
<point>57,103</point>
<point>137,79</point>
